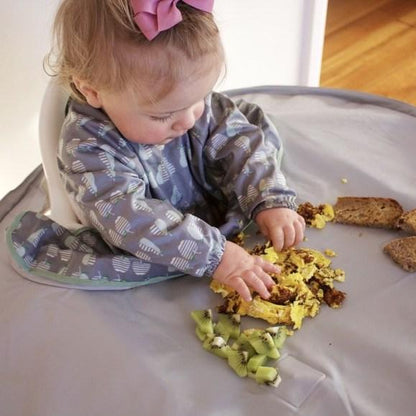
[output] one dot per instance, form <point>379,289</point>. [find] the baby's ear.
<point>91,94</point>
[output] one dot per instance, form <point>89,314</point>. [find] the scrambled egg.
<point>318,216</point>
<point>305,282</point>
<point>330,253</point>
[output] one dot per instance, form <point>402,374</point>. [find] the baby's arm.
<point>241,271</point>
<point>283,226</point>
<point>245,152</point>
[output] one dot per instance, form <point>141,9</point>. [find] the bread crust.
<point>403,252</point>
<point>407,222</point>
<point>367,211</point>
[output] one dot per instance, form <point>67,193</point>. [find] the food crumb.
<point>316,216</point>
<point>344,180</point>
<point>330,253</point>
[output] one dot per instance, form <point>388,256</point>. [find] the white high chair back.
<point>51,117</point>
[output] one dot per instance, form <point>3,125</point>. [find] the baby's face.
<point>145,122</point>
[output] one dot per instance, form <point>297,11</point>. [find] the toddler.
<point>163,167</point>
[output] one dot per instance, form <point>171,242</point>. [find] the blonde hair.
<point>98,42</point>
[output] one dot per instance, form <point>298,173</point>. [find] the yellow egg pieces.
<point>305,282</point>
<point>316,216</point>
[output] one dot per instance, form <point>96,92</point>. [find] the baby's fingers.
<point>300,231</point>
<point>256,282</point>
<point>277,236</point>
<point>238,284</point>
<point>267,267</point>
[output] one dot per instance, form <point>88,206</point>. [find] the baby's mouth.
<point>170,138</point>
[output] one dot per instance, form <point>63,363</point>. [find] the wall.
<point>272,42</point>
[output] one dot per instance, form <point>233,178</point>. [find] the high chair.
<point>51,117</point>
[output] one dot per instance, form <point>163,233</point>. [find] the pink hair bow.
<point>155,16</point>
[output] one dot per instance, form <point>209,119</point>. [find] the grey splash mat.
<point>72,352</point>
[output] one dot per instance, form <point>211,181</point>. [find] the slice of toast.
<point>367,211</point>
<point>403,252</point>
<point>407,222</point>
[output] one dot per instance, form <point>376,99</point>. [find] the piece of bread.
<point>403,252</point>
<point>367,211</point>
<point>407,222</point>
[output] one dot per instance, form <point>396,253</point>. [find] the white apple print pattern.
<point>156,210</point>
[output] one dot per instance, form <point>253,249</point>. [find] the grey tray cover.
<point>73,352</point>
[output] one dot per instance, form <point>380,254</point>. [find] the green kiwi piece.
<point>251,332</point>
<point>228,325</point>
<point>200,334</point>
<point>217,345</point>
<point>263,343</point>
<point>221,332</point>
<point>203,319</point>
<point>238,362</point>
<point>255,362</point>
<point>242,344</point>
<point>268,375</point>
<point>279,335</point>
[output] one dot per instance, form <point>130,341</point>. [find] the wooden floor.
<point>370,46</point>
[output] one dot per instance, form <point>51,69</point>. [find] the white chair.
<point>51,117</point>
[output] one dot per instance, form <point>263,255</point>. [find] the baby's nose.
<point>185,122</point>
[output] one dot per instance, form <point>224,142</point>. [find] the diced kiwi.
<point>251,332</point>
<point>255,362</point>
<point>279,335</point>
<point>223,335</point>
<point>263,343</point>
<point>242,344</point>
<point>203,319</point>
<point>238,362</point>
<point>217,345</point>
<point>267,375</point>
<point>251,350</point>
<point>221,332</point>
<point>200,334</point>
<point>228,325</point>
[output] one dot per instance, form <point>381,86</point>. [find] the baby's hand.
<point>240,270</point>
<point>283,226</point>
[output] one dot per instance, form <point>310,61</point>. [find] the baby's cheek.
<point>199,111</point>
